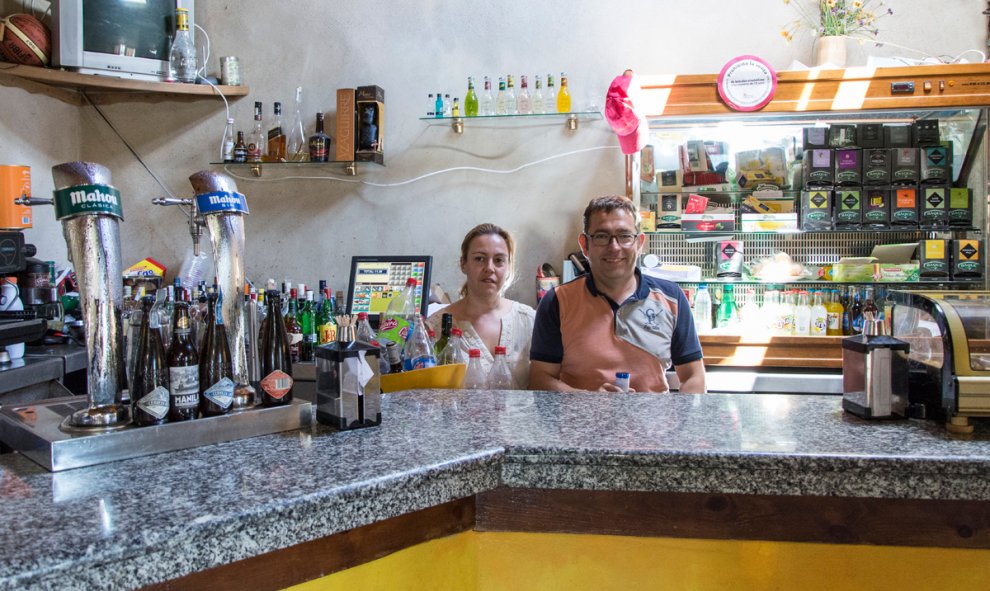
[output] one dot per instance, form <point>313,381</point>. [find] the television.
<point>375,280</point>
<point>122,38</point>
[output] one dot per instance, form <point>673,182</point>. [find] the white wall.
<point>308,229</point>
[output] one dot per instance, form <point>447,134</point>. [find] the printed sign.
<point>221,201</point>
<point>747,83</point>
<point>88,200</point>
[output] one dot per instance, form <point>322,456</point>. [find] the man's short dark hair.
<point>608,204</point>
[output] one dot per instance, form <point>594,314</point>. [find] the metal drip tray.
<point>33,430</point>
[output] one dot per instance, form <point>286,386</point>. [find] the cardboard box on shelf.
<point>369,103</point>
<point>346,124</point>
<point>896,273</point>
<point>768,222</point>
<point>708,222</point>
<point>647,220</point>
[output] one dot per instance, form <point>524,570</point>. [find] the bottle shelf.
<point>77,81</point>
<point>898,230</point>
<point>349,166</point>
<point>914,284</point>
<point>571,120</point>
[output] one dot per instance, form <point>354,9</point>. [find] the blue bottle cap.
<point>622,375</point>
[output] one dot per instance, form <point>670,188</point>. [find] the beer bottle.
<point>215,370</point>
<point>149,388</point>
<point>183,368</point>
<point>292,327</point>
<point>276,360</point>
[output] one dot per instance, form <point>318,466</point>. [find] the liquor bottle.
<point>397,320</point>
<point>702,310</point>
<point>855,312</point>
<point>319,142</point>
<point>240,148</point>
<point>564,96</point>
<point>227,145</point>
<point>869,305</point>
<point>297,148</point>
<point>438,106</point>
<point>216,374</point>
<point>276,136</point>
<point>523,103</point>
<point>446,323</point>
<point>471,100</point>
<point>453,351</point>
<point>149,388</point>
<point>326,323</point>
<point>474,376</point>
<point>448,106</point>
<point>320,295</point>
<point>307,321</point>
<point>292,326</point>
<point>550,100</point>
<point>183,368</point>
<point>417,353</point>
<point>500,376</point>
<point>487,106</point>
<point>455,110</point>
<point>431,110</point>
<point>539,105</point>
<point>258,140</point>
<point>276,359</point>
<point>511,107</point>
<point>394,356</point>
<point>500,99</point>
<point>182,55</point>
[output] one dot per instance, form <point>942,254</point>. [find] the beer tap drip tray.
<point>33,430</point>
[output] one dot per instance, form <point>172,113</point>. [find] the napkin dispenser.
<point>875,376</point>
<point>348,392</point>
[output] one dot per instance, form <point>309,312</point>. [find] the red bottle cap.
<point>362,315</point>
<point>456,332</point>
<point>500,350</point>
<point>474,353</point>
<point>411,281</point>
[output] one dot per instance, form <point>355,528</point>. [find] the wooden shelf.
<point>772,351</point>
<point>84,82</point>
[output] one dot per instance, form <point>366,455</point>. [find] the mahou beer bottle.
<point>149,388</point>
<point>215,370</point>
<point>183,368</point>
<point>276,360</point>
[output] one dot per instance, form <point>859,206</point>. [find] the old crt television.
<point>122,38</point>
<point>375,280</point>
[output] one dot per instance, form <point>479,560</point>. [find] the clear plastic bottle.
<point>702,310</point>
<point>474,377</point>
<point>750,313</point>
<point>227,145</point>
<point>397,321</point>
<point>819,315</point>
<point>417,353</point>
<point>365,333</point>
<point>182,55</point>
<point>802,315</point>
<point>453,352</point>
<point>622,380</point>
<point>500,376</point>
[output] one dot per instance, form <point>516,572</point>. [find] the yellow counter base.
<point>495,561</point>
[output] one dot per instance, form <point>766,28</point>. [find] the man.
<point>614,319</point>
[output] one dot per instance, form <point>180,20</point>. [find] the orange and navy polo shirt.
<point>592,337</point>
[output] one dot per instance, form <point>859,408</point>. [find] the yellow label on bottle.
<point>326,333</point>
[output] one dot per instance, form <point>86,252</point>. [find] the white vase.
<point>830,51</point>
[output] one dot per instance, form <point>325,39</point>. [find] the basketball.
<point>25,40</point>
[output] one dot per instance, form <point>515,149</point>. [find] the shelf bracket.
<point>457,125</point>
<point>351,169</point>
<point>256,169</point>
<point>571,122</point>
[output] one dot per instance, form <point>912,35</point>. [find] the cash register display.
<point>375,280</point>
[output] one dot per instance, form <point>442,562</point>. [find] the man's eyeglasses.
<point>604,238</point>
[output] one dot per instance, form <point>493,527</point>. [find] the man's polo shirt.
<point>592,337</point>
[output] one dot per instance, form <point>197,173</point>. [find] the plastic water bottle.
<point>474,376</point>
<point>500,376</point>
<point>622,380</point>
<point>453,352</point>
<point>417,353</point>
<point>703,310</point>
<point>397,321</point>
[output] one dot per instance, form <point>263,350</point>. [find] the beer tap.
<point>196,221</point>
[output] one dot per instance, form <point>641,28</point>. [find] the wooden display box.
<point>772,351</point>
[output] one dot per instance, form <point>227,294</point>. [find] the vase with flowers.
<point>833,22</point>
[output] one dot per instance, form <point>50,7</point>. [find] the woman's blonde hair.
<point>484,230</point>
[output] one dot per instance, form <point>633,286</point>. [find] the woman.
<point>485,317</point>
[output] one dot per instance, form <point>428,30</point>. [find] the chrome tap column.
<point>89,208</point>
<point>222,209</point>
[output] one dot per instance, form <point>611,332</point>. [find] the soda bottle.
<point>183,368</point>
<point>802,315</point>
<point>500,376</point>
<point>453,351</point>
<point>474,375</point>
<point>702,310</point>
<point>216,374</point>
<point>819,316</point>
<point>834,308</point>
<point>397,320</point>
<point>149,388</point>
<point>727,314</point>
<point>417,353</point>
<point>276,358</point>
<point>365,333</point>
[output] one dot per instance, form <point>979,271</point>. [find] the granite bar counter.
<point>140,522</point>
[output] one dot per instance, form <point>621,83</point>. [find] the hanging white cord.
<point>424,176</point>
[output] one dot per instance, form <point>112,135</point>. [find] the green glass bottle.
<point>471,100</point>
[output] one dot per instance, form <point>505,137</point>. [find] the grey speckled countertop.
<point>136,522</point>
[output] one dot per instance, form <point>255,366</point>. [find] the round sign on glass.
<point>747,83</point>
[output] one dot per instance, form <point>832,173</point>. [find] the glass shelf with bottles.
<point>823,283</point>
<point>570,119</point>
<point>723,234</point>
<point>349,166</point>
